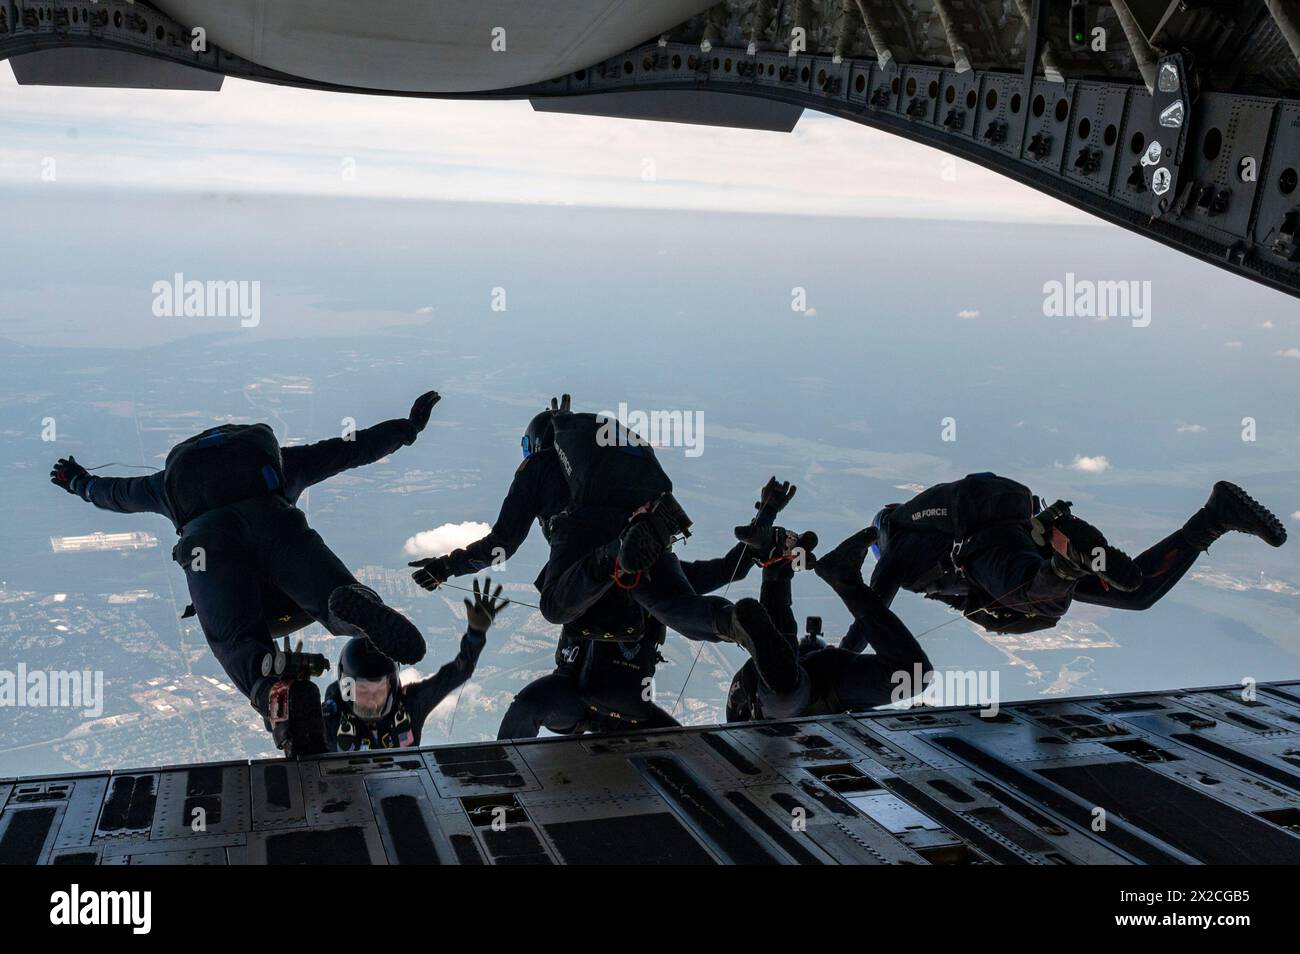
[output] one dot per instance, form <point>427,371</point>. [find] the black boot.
<point>844,563</point>
<point>1231,508</point>
<point>357,610</point>
<point>642,542</point>
<point>747,624</point>
<point>645,538</point>
<point>1081,550</point>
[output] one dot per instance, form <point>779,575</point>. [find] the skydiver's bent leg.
<point>296,560</point>
<point>577,571</point>
<point>551,701</point>
<point>844,681</point>
<point>790,703</point>
<point>666,594</point>
<point>837,680</point>
<point>227,600</point>
<point>1163,565</point>
<point>578,574</point>
<point>1017,576</point>
<point>294,557</point>
<point>581,569</point>
<point>776,596</point>
<point>874,624</point>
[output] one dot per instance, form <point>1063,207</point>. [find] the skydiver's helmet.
<point>540,433</point>
<point>367,680</point>
<point>879,524</point>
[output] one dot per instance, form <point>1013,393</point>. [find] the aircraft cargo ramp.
<point>1198,776</point>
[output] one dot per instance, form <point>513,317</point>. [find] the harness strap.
<point>636,580</point>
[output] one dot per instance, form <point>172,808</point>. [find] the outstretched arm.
<point>522,505</point>
<point>705,576</point>
<point>119,494</point>
<point>311,463</point>
<point>424,696</point>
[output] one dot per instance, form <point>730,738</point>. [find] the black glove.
<point>562,406</point>
<point>763,540</point>
<point>422,408</point>
<point>758,534</point>
<point>69,475</point>
<point>773,498</point>
<point>432,572</point>
<point>483,610</point>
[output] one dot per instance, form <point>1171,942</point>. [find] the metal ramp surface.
<point>1197,776</point>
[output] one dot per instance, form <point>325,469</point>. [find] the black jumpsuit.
<point>1015,573</point>
<point>258,543</point>
<point>598,684</point>
<point>835,679</point>
<point>575,578</point>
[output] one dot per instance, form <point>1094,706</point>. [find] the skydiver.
<point>840,678</point>
<point>985,546</point>
<point>579,695</point>
<point>254,567</point>
<point>601,676</point>
<point>615,530</point>
<point>367,707</point>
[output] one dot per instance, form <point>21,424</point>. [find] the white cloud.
<point>1232,344</point>
<point>1289,353</point>
<point>1090,465</point>
<point>442,540</point>
<point>1191,429</point>
<point>1296,515</point>
<point>426,310</point>
<point>968,313</point>
<point>1266,324</point>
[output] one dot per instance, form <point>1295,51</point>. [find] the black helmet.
<point>367,680</point>
<point>539,435</point>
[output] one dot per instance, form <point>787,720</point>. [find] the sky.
<point>252,137</point>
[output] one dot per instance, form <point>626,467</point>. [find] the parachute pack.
<point>607,465</point>
<point>977,512</point>
<point>614,677</point>
<point>966,510</point>
<point>219,467</point>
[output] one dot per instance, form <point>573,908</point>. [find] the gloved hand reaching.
<point>432,572</point>
<point>773,498</point>
<point>69,475</point>
<point>484,609</point>
<point>758,534</point>
<point>422,408</point>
